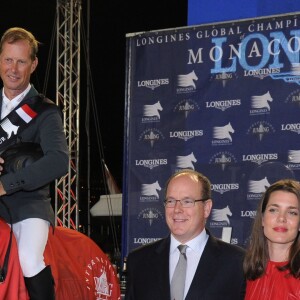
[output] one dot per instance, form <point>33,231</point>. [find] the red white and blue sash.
<point>18,119</point>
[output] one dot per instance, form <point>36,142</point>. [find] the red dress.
<point>274,285</point>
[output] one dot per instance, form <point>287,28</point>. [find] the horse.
<point>261,101</point>
<point>152,110</point>
<point>223,132</point>
<point>151,189</point>
<point>186,80</point>
<point>220,215</point>
<point>186,162</point>
<point>258,186</point>
<point>79,272</point>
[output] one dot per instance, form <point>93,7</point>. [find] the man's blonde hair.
<point>15,34</point>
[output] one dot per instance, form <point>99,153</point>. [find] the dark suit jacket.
<point>28,189</point>
<point>219,275</point>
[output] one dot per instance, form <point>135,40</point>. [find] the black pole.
<point>88,121</point>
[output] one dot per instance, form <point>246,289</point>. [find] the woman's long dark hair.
<point>257,255</point>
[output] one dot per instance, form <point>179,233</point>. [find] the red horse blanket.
<point>13,287</point>
<point>81,270</point>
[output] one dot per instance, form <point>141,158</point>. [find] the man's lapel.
<point>206,269</point>
<point>162,263</point>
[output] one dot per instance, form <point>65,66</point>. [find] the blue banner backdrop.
<point>223,99</point>
<point>202,11</point>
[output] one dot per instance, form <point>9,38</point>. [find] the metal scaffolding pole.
<point>67,97</point>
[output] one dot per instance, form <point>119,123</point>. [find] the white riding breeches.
<point>31,235</point>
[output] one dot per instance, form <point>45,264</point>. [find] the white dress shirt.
<point>9,105</point>
<point>193,254</point>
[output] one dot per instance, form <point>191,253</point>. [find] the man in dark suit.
<point>25,191</point>
<point>214,268</point>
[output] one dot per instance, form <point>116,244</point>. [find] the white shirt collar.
<point>196,244</point>
<point>8,105</point>
<point>18,98</point>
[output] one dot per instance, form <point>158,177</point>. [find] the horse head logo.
<point>152,110</point>
<point>187,80</point>
<point>9,128</point>
<point>223,132</point>
<point>221,215</point>
<point>258,186</point>
<point>151,189</point>
<point>261,101</point>
<point>186,162</point>
<point>294,156</point>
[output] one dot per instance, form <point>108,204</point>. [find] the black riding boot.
<point>41,286</point>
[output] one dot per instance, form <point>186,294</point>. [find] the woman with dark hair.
<point>272,262</point>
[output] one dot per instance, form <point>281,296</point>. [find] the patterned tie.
<point>178,279</point>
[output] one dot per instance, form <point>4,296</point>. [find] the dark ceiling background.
<point>109,24</point>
